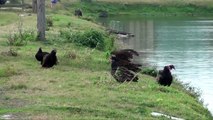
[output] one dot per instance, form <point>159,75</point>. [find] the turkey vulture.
<point>50,59</point>
<point>164,76</point>
<point>122,67</point>
<point>40,54</point>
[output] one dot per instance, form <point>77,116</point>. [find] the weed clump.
<point>49,21</point>
<point>152,71</point>
<point>89,38</point>
<point>19,86</point>
<point>71,55</point>
<point>21,38</point>
<point>190,90</point>
<point>11,52</point>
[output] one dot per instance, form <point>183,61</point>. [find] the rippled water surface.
<point>186,43</point>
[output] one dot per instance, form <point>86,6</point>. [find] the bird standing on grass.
<point>40,54</point>
<point>50,59</point>
<point>122,67</point>
<point>78,12</point>
<point>164,76</point>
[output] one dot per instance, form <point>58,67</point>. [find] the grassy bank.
<point>7,18</point>
<point>136,7</point>
<point>75,89</point>
<point>165,8</point>
<point>80,86</point>
<point>206,3</point>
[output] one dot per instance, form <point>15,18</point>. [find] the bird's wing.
<point>125,54</point>
<point>160,72</point>
<point>44,61</point>
<point>131,51</point>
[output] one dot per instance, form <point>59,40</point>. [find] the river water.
<point>186,43</point>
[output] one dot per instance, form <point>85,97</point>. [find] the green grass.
<point>174,8</point>
<point>7,71</point>
<point>135,7</point>
<point>81,87</point>
<point>180,7</point>
<point>78,90</point>
<point>164,2</point>
<point>7,17</point>
<point>62,21</point>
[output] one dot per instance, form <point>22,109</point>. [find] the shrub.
<point>21,38</point>
<point>152,71</point>
<point>54,39</point>
<point>109,43</point>
<point>89,38</point>
<point>49,21</point>
<point>192,91</point>
<point>66,34</point>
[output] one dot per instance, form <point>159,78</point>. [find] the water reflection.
<point>186,43</point>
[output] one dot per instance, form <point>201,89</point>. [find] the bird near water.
<point>164,76</point>
<point>122,67</point>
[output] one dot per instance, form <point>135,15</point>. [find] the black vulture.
<point>50,60</point>
<point>78,12</point>
<point>122,67</point>
<point>103,14</point>
<point>40,54</point>
<point>164,76</point>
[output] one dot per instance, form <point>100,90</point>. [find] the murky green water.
<point>186,43</point>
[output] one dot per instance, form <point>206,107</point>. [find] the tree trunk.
<point>41,21</point>
<point>22,2</point>
<point>34,6</point>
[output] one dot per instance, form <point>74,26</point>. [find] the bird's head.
<point>171,67</point>
<point>112,58</point>
<point>40,50</point>
<point>113,62</point>
<point>53,52</point>
<point>166,68</point>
